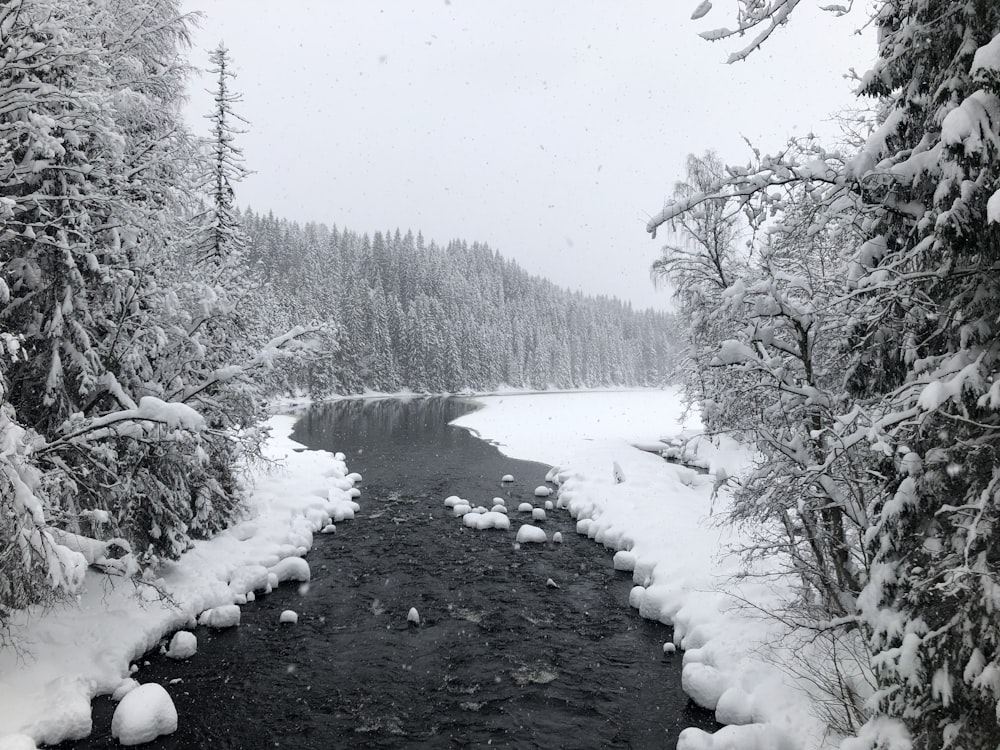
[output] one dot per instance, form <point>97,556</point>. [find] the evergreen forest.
<point>406,314</point>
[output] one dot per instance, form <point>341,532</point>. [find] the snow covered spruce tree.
<point>922,306</point>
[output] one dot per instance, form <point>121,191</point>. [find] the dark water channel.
<point>500,658</point>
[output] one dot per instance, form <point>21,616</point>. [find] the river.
<point>530,646</point>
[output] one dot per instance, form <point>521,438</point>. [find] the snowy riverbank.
<point>58,660</point>
<point>661,519</point>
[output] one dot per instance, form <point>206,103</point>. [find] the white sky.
<point>549,129</point>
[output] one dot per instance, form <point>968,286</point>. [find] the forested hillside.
<point>411,314</point>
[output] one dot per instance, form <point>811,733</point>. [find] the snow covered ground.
<point>662,522</point>
<point>60,659</point>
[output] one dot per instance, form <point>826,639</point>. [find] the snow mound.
<point>543,491</point>
<point>525,508</point>
<point>226,616</point>
<point>341,509</point>
<point>490,520</point>
<point>125,687</point>
<point>703,683</point>
<point>183,645</point>
<point>291,569</point>
<point>289,617</point>
<point>529,533</point>
<point>17,742</point>
<point>143,715</point>
<point>624,560</point>
<point>507,478</point>
<point>747,737</point>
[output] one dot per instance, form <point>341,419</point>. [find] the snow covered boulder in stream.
<point>288,617</point>
<point>490,520</point>
<point>291,569</point>
<point>183,645</point>
<point>507,478</point>
<point>143,715</point>
<point>226,616</point>
<point>529,533</point>
<point>543,491</point>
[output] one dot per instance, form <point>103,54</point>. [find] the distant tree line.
<point>415,315</point>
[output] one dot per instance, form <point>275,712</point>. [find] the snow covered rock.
<point>291,569</point>
<point>507,478</point>
<point>537,514</point>
<point>183,645</point>
<point>143,715</point>
<point>329,529</point>
<point>549,505</point>
<point>499,509</point>
<point>525,508</point>
<point>226,616</point>
<point>490,520</point>
<point>703,683</point>
<point>669,648</point>
<point>452,500</point>
<point>616,470</point>
<point>460,510</point>
<point>624,560</point>
<point>529,533</point>
<point>551,584</point>
<point>746,737</point>
<point>557,537</point>
<point>354,477</point>
<point>125,687</point>
<point>288,617</point>
<point>413,617</point>
<point>542,491</point>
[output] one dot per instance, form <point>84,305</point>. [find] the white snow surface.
<point>143,715</point>
<point>183,645</point>
<point>64,657</point>
<point>663,524</point>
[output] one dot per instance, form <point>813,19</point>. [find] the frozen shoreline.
<point>661,521</point>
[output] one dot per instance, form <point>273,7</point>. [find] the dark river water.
<point>500,658</point>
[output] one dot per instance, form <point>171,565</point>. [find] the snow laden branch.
<point>760,18</point>
<point>286,345</point>
<point>758,189</point>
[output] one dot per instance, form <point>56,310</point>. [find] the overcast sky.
<point>549,129</point>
